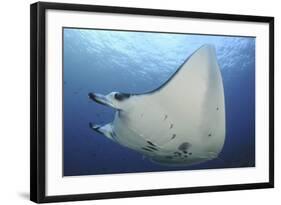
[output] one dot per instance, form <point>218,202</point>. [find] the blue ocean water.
<point>103,61</point>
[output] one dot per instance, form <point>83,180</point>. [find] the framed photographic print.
<point>129,102</point>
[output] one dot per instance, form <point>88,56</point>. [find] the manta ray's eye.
<point>121,96</point>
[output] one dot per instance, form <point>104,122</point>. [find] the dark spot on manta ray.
<point>149,142</point>
<point>166,116</point>
<point>209,135</point>
<point>171,125</point>
<point>121,96</point>
<point>184,146</point>
<point>217,108</point>
<point>190,153</point>
<point>144,148</point>
<point>173,136</point>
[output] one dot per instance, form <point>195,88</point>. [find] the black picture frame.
<point>38,101</point>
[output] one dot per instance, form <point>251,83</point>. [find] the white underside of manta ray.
<point>180,123</point>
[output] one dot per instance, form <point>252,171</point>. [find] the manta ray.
<point>182,122</point>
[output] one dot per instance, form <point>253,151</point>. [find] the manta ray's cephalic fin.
<point>113,99</point>
<point>105,130</point>
<point>101,99</point>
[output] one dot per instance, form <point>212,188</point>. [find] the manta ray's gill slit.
<point>149,142</point>
<point>144,148</point>
<point>171,125</point>
<point>153,148</point>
